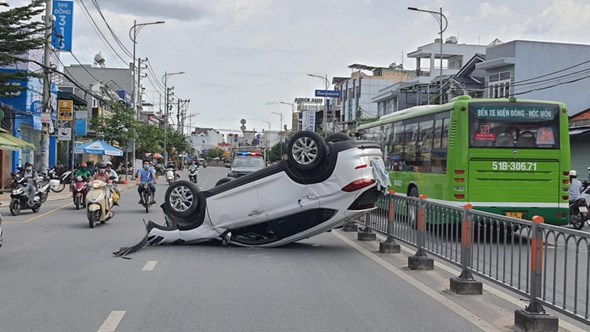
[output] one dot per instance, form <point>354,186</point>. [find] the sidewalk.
<point>65,194</point>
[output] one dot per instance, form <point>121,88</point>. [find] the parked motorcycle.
<point>578,213</point>
<point>99,203</point>
<point>79,191</point>
<point>58,178</point>
<point>193,175</point>
<point>170,175</point>
<point>20,196</point>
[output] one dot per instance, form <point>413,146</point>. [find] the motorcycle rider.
<point>31,176</point>
<point>575,187</point>
<point>172,166</point>
<point>102,175</point>
<point>112,173</point>
<point>83,172</point>
<point>144,175</point>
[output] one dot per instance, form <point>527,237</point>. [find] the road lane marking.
<point>468,316</point>
<point>111,323</point>
<point>149,266</point>
<point>39,215</point>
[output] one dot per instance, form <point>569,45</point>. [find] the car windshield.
<point>248,162</point>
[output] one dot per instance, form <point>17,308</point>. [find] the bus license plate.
<point>514,215</point>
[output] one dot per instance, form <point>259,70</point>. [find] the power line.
<point>111,30</point>
<point>99,32</point>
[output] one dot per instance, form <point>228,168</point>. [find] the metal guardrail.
<point>548,264</point>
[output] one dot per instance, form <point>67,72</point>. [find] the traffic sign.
<point>65,110</point>
<point>327,93</point>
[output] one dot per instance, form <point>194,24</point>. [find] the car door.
<point>280,196</point>
<point>236,207</point>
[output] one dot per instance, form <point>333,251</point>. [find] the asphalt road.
<point>57,274</point>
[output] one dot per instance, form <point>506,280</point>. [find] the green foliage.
<point>275,151</point>
<point>19,33</point>
<point>215,153</point>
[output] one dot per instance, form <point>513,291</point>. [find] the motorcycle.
<point>578,213</point>
<point>20,196</point>
<point>99,203</point>
<point>146,196</point>
<point>193,175</point>
<point>58,179</point>
<point>79,191</point>
<point>170,175</point>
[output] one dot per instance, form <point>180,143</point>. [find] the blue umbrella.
<point>99,147</point>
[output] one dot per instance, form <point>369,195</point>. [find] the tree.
<point>19,33</point>
<point>275,151</point>
<point>119,127</point>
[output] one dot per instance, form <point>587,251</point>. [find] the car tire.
<point>222,181</point>
<point>337,137</point>
<point>307,150</point>
<point>182,199</point>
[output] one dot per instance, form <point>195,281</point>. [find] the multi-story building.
<point>425,86</point>
<point>538,70</point>
<point>365,83</point>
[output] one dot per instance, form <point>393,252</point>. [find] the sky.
<point>241,58</point>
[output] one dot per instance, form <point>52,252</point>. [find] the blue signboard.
<point>327,93</point>
<point>61,38</point>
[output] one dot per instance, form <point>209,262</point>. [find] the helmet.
<point>573,173</point>
<point>83,165</point>
<point>109,164</point>
<point>102,164</point>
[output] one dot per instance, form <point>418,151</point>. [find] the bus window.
<point>514,126</point>
<point>410,138</point>
<point>439,151</point>
<point>398,140</point>
<point>424,146</point>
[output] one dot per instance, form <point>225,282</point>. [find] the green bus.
<point>504,156</point>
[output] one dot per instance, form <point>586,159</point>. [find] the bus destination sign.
<point>530,113</point>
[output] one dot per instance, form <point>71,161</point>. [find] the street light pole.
<point>165,81</point>
<point>293,128</point>
<point>325,117</point>
<point>267,136</point>
<point>280,133</point>
<point>439,18</point>
<point>135,29</point>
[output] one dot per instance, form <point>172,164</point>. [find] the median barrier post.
<point>465,284</point>
<point>350,226</point>
<point>420,261</point>
<point>534,317</point>
<point>366,234</point>
<point>389,245</point>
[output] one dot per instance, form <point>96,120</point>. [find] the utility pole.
<point>46,88</point>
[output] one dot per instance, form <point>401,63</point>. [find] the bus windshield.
<point>505,125</point>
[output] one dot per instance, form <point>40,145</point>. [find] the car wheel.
<point>337,137</point>
<point>307,150</point>
<point>182,199</point>
<point>222,181</point>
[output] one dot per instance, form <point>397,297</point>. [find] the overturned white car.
<point>320,186</point>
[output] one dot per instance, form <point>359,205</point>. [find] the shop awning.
<point>9,142</point>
